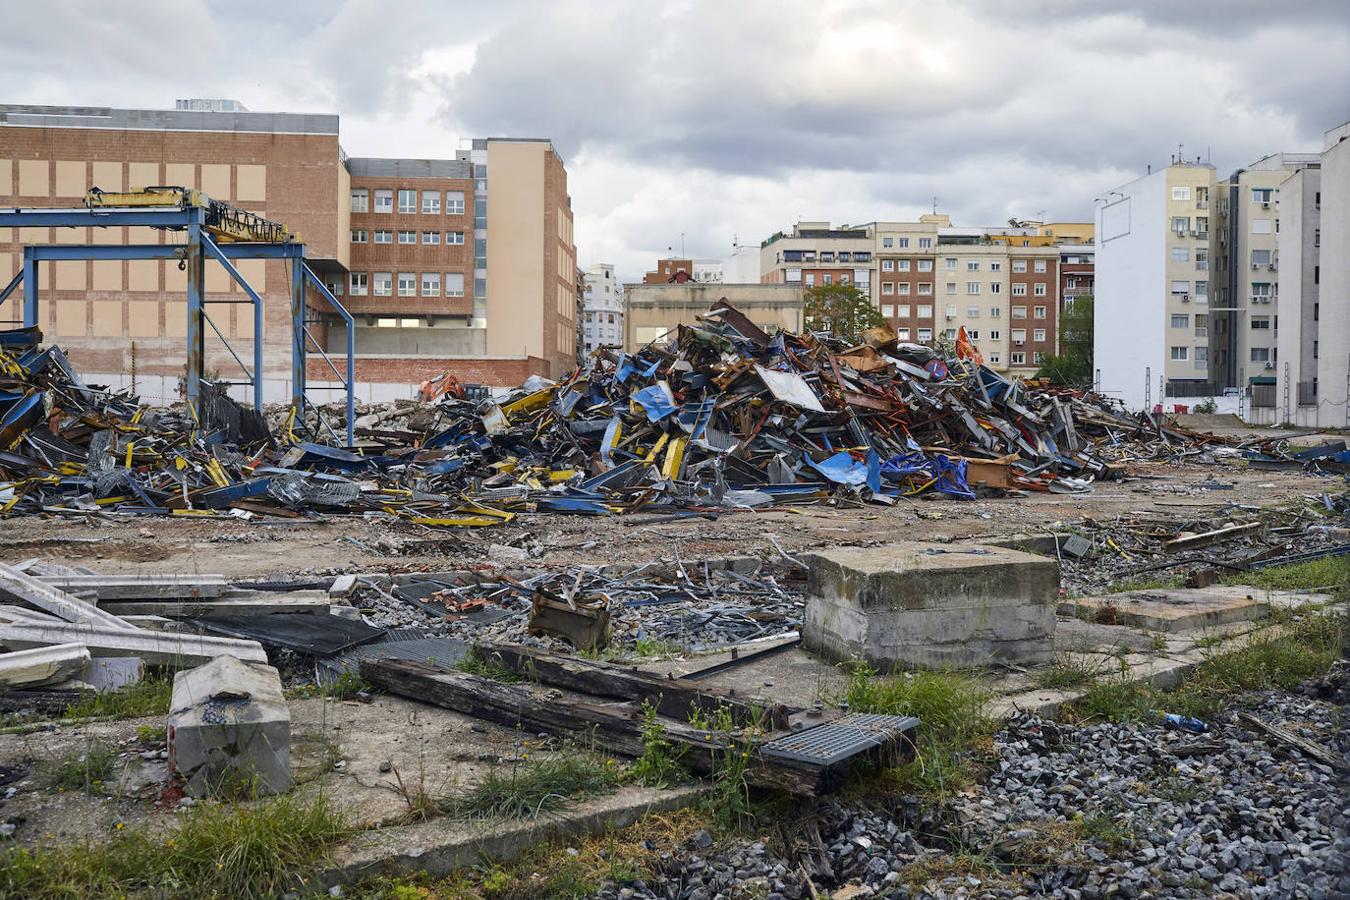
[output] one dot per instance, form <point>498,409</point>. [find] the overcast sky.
<point>722,119</point>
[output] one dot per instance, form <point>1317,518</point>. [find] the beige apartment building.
<point>465,264</point>
<point>814,253</point>
<point>1245,247</point>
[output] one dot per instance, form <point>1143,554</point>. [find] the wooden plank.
<point>1176,545</point>
<point>1320,754</point>
<point>615,727</point>
<point>675,698</point>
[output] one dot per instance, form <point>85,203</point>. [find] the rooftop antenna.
<point>935,206</point>
<point>681,244</point>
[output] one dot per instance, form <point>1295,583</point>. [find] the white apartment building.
<point>1312,376</point>
<point>741,266</point>
<point>1152,286</point>
<point>602,309</point>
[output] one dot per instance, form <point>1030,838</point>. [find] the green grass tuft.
<point>527,788</point>
<point>659,764</point>
<point>148,697</point>
<point>82,771</point>
<point>474,664</point>
<point>219,851</point>
<point>1065,673</point>
<point>1328,572</point>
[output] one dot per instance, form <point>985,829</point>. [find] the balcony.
<point>1202,204</point>
<point>1202,331</point>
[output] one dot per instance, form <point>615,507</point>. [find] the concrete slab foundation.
<point>230,729</point>
<point>902,605</point>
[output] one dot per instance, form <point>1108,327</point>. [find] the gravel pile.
<point>1110,810</point>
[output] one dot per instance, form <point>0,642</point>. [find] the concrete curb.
<point>439,847</point>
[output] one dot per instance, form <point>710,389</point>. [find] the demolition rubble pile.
<point>724,416</point>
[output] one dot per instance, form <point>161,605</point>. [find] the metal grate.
<point>841,739</point>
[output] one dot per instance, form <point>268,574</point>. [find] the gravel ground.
<point>1127,810</point>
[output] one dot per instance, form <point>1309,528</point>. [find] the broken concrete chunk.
<point>35,593</point>
<point>230,729</point>
<point>43,665</point>
<point>155,647</point>
<point>112,673</point>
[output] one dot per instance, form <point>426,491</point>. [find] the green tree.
<point>1073,364</point>
<point>840,309</point>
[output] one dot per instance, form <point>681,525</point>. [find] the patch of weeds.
<point>1146,584</point>
<point>148,697</point>
<point>1208,641</point>
<point>659,765</point>
<point>88,770</point>
<point>1104,828</point>
<point>1157,642</point>
<point>1328,572</point>
<point>474,664</point>
<point>1306,649</point>
<point>525,789</point>
<point>960,863</point>
<point>1176,789</point>
<point>729,802</point>
<point>1067,672</point>
<point>954,732</point>
<point>218,851</point>
<point>151,734</point>
<point>344,686</point>
<point>652,648</point>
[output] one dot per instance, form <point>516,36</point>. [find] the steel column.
<point>213,249</point>
<point>298,336</point>
<point>196,337</point>
<point>30,288</point>
<point>351,348</point>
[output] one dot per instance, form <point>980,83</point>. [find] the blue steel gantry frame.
<point>193,254</point>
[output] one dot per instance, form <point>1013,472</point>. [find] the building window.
<point>1038,334</point>
<point>887,242</point>
<point>386,323</point>
<point>925,334</point>
<point>1260,323</point>
<point>407,201</point>
<point>1260,354</point>
<point>1181,225</point>
<point>454,284</point>
<point>359,236</point>
<point>904,287</point>
<point>1019,335</point>
<point>1180,354</point>
<point>925,311</point>
<point>951,287</point>
<point>888,288</point>
<point>454,237</point>
<point>384,201</point>
<point>995,335</point>
<point>995,312</point>
<point>904,265</point>
<point>972,312</point>
<point>995,359</point>
<point>826,256</point>
<point>454,203</point>
<point>902,310</point>
<point>1019,265</point>
<point>407,284</point>
<point>888,311</point>
<point>1181,193</point>
<point>973,265</point>
<point>924,243</point>
<point>972,287</point>
<point>1260,258</point>
<point>951,311</point>
<point>1262,195</point>
<point>902,333</point>
<point>1039,312</point>
<point>384,284</point>
<point>792,275</point>
<point>1181,320</point>
<point>431,237</point>
<point>995,266</point>
<point>888,265</point>
<point>1039,265</point>
<point>810,279</point>
<point>827,278</point>
<point>1019,312</point>
<point>973,334</point>
<point>360,200</point>
<point>951,264</point>
<point>925,265</point>
<point>384,236</point>
<point>431,202</point>
<point>1040,290</point>
<point>1202,354</point>
<point>1181,254</point>
<point>1181,287</point>
<point>407,237</point>
<point>1019,359</point>
<point>359,281</point>
<point>1038,357</point>
<point>1019,290</point>
<point>995,287</point>
<point>431,284</point>
<point>904,243</point>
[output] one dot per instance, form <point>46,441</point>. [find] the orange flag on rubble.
<point>965,349</point>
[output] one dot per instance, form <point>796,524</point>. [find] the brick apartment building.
<point>466,264</point>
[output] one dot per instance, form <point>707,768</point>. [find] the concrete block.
<point>921,605</point>
<point>141,587</point>
<point>43,665</point>
<point>112,673</point>
<point>230,729</point>
<point>155,647</point>
<point>40,595</point>
<point>342,586</point>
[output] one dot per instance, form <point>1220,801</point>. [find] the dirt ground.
<point>254,549</point>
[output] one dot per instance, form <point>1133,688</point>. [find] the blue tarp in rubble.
<point>947,474</point>
<point>841,468</point>
<point>656,402</point>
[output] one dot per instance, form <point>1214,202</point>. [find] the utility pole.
<point>1287,417</point>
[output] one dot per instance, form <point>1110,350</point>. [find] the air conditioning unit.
<point>1185,298</point>
<point>1273,267</point>
<point>1265,204</point>
<point>1270,365</point>
<point>1255,266</point>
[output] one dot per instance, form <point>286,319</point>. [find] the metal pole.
<point>196,338</point>
<point>1287,417</point>
<point>298,335</point>
<point>30,288</point>
<point>1097,382</point>
<point>1242,392</point>
<point>1148,388</point>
